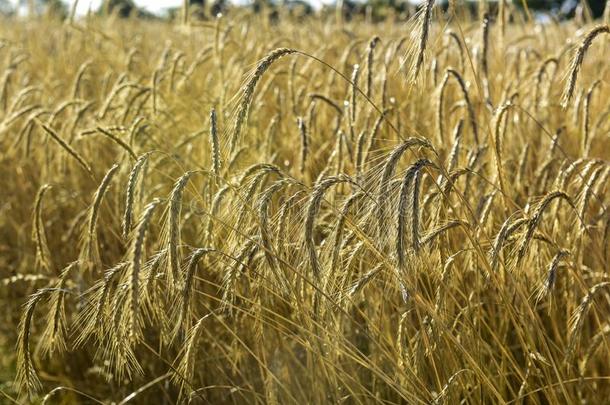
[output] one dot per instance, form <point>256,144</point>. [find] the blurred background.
<point>206,9</point>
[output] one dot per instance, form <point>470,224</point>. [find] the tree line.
<point>208,9</point>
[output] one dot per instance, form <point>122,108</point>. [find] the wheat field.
<point>305,210</point>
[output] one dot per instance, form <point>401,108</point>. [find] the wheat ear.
<point>214,144</point>
<point>189,280</point>
<point>388,171</point>
<point>409,188</point>
<point>43,255</point>
<point>53,339</point>
<point>130,194</point>
<point>577,61</point>
<point>498,144</point>
<point>578,318</point>
<point>135,262</point>
<point>248,91</point>
<point>186,367</point>
<point>537,217</point>
<point>473,120</point>
<point>315,202</point>
<point>304,143</point>
<point>173,240</point>
<point>551,278</point>
<point>91,253</point>
<point>265,235</point>
<point>423,38</point>
<point>26,377</point>
<point>369,65</point>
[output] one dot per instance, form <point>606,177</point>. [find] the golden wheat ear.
<point>577,62</point>
<point>247,91</point>
<point>408,210</point>
<point>578,317</point>
<point>130,194</point>
<point>26,378</point>
<point>54,337</point>
<point>415,56</point>
<point>90,255</point>
<point>536,218</point>
<point>215,145</point>
<point>173,240</point>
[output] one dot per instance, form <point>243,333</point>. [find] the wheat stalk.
<point>68,149</point>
